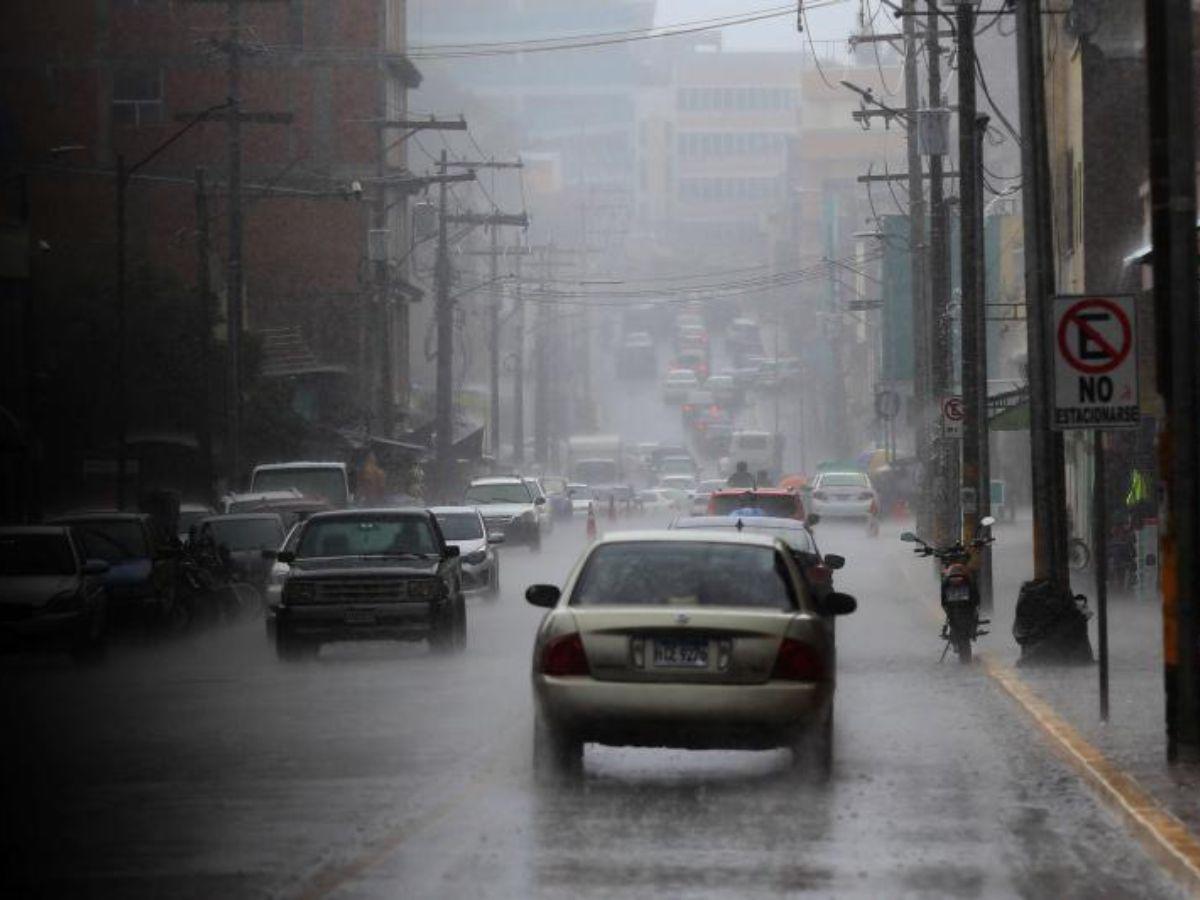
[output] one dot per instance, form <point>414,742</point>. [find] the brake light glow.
<point>564,655</point>
<point>797,661</point>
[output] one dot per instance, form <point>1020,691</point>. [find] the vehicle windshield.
<point>367,536</point>
<point>796,538</point>
<point>324,483</point>
<point>462,526</point>
<point>752,441</point>
<point>503,492</point>
<point>771,504</point>
<point>113,541</point>
<point>247,534</point>
<point>846,479</point>
<point>683,573</point>
<point>554,485</point>
<point>36,554</point>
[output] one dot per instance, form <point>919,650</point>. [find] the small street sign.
<point>952,417</point>
<point>1095,363</point>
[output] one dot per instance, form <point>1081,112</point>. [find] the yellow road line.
<point>1159,832</point>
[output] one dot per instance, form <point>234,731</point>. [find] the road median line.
<point>1164,836</point>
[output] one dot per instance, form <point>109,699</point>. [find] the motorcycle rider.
<point>741,478</point>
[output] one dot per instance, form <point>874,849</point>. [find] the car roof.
<point>242,517</point>
<point>450,510</point>
<point>300,465</point>
<point>666,535</point>
<point>114,516</point>
<point>373,511</point>
<point>35,529</point>
<point>843,472</point>
<point>766,491</point>
<point>730,521</point>
<point>498,479</point>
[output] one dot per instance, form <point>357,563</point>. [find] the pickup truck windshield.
<point>499,493</point>
<point>321,483</point>
<point>367,536</point>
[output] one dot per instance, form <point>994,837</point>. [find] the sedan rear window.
<point>684,573</point>
<point>460,526</point>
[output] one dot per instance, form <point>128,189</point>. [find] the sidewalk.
<point>1134,739</point>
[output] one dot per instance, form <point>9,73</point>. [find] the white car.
<point>662,500</point>
<point>582,498</point>
<point>846,495</point>
<point>677,384</point>
<point>685,483</point>
<point>703,491</point>
<point>463,527</point>
<point>704,640</point>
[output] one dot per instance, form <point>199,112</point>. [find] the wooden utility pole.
<point>233,271</point>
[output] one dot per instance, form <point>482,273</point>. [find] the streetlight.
<point>124,174</point>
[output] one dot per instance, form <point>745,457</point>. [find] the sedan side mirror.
<point>908,537</point>
<point>836,604</point>
<point>834,561</point>
<point>495,539</point>
<point>540,501</point>
<point>95,567</point>
<point>544,595</point>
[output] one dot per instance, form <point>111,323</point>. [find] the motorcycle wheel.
<point>962,646</point>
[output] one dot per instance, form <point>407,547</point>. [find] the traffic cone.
<point>591,522</point>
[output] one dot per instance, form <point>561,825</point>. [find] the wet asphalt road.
<point>205,768</point>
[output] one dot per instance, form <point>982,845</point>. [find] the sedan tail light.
<point>564,655</point>
<point>797,661</point>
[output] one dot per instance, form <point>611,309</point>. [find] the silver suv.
<point>509,507</point>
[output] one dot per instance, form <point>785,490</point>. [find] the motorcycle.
<point>960,594</point>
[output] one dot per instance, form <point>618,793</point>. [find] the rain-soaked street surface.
<point>205,768</point>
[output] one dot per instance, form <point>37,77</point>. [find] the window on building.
<point>137,97</point>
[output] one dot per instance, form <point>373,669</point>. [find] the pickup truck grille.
<point>354,590</point>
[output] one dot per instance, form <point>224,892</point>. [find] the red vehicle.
<point>772,501</point>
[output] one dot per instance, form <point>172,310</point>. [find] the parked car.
<point>771,502</point>
<point>370,574</point>
<point>463,527</point>
<point>847,495</point>
<point>702,640</point>
<point>51,595</point>
<point>509,508</point>
<point>140,583</point>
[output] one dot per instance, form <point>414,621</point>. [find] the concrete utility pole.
<point>518,387</point>
<point>494,221</point>
<point>233,269</point>
<point>976,485</point>
<point>444,406</point>
<point>922,357</point>
<point>541,394</point>
<point>1046,448</point>
<point>205,320</point>
<point>1170,71</point>
<point>944,519</point>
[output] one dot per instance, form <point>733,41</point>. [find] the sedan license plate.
<point>360,617</point>
<point>681,654</point>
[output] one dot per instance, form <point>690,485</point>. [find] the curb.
<point>1160,833</point>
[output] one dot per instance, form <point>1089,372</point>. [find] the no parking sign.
<point>1095,363</point>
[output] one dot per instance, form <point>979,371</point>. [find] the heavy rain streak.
<point>599,448</point>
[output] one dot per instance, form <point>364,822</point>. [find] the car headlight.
<point>427,589</point>
<point>299,592</point>
<point>475,558</point>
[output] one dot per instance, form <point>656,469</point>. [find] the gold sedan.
<point>675,639</point>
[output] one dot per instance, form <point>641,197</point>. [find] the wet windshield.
<point>771,504</point>
<point>36,554</point>
<point>460,526</point>
<point>328,484</point>
<point>367,536</point>
<point>516,492</point>
<point>248,534</point>
<point>679,573</point>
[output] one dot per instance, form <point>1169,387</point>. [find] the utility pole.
<point>1170,74</point>
<point>1046,448</point>
<point>541,396</point>
<point>519,371</point>
<point>233,271</point>
<point>943,519</point>
<point>922,356</point>
<point>493,220</point>
<point>975,487</point>
<point>444,411</point>
<point>204,318</point>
